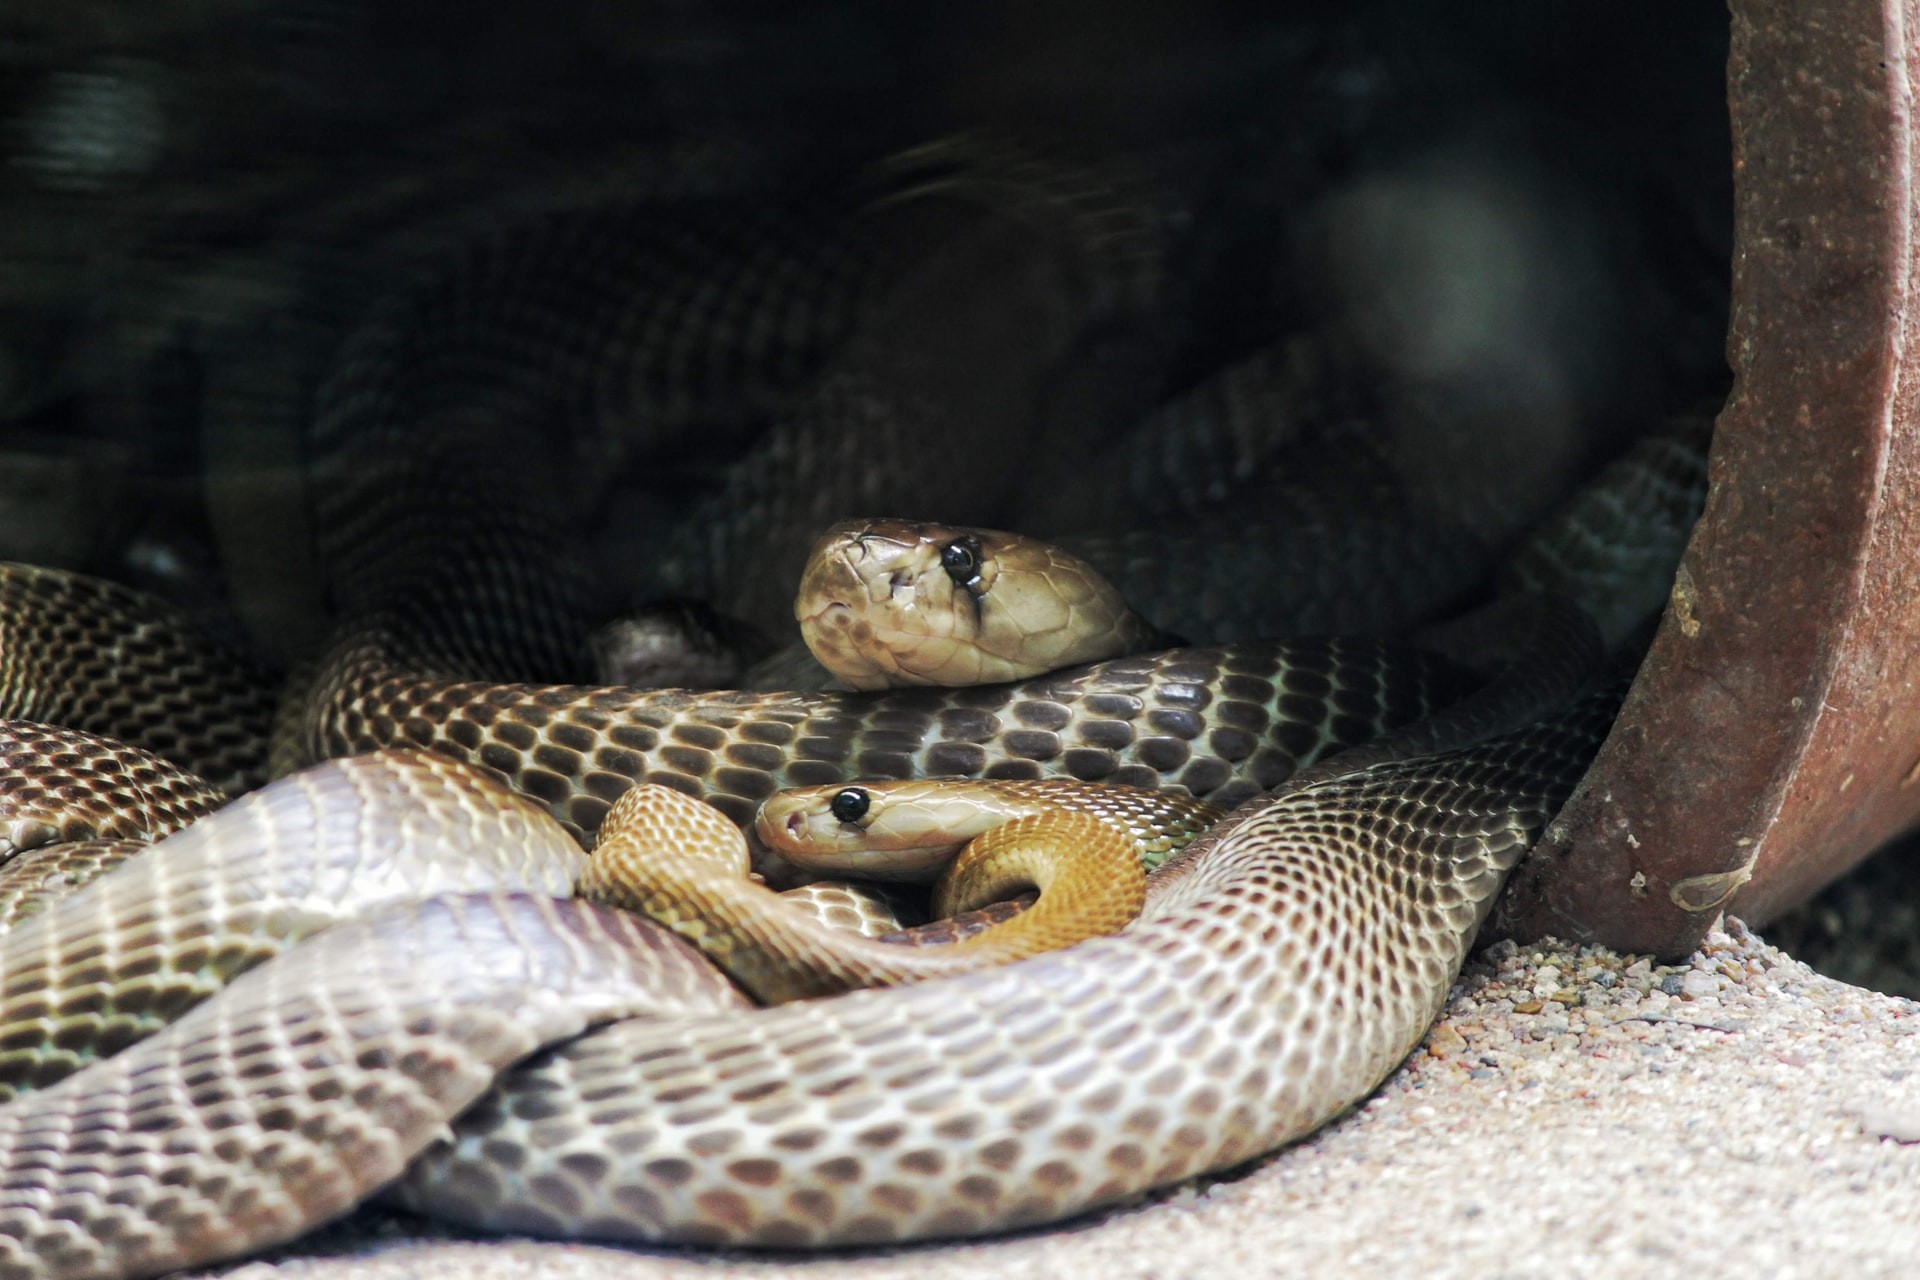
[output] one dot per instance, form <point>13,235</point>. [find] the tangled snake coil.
<point>1282,966</point>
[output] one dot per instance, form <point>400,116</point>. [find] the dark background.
<point>199,198</point>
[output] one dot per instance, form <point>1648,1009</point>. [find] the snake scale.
<point>1282,966</point>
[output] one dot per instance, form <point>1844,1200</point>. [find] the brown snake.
<point>839,1121</point>
<point>1281,968</point>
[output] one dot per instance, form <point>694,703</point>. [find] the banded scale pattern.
<point>62,786</point>
<point>1221,723</point>
<point>93,656</point>
<point>240,886</point>
<point>1304,957</point>
<point>289,1131</point>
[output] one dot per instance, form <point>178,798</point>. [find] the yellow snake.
<point>674,859</point>
<point>911,830</point>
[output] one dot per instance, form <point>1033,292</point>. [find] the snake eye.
<point>850,805</point>
<point>961,559</point>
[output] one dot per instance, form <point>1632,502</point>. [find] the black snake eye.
<point>850,805</point>
<point>961,559</point>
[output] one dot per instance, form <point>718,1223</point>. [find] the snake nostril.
<point>795,826</point>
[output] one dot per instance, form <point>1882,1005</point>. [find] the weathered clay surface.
<point>1773,737</point>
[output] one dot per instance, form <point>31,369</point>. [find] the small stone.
<point>1443,1041</point>
<point>1696,983</point>
<point>1528,1006</point>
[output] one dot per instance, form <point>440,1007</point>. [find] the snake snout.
<point>796,827</point>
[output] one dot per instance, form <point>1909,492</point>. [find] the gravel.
<point>1577,1112</point>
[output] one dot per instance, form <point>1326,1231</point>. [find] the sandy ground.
<point>1576,1114</point>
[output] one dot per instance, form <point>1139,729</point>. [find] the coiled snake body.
<point>1282,966</point>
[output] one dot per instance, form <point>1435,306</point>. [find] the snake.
<point>677,860</point>
<point>1282,964</point>
<point>911,830</point>
<point>892,602</point>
